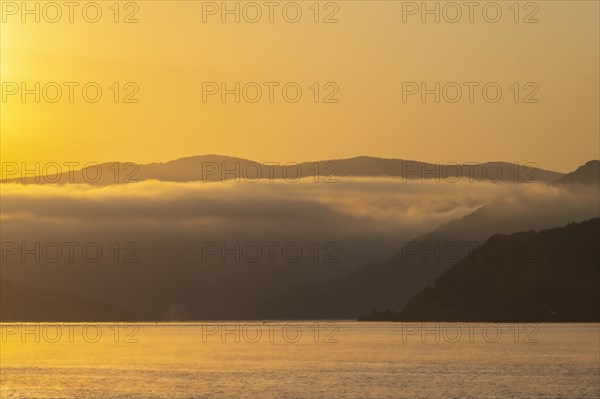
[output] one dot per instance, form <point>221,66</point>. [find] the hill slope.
<point>546,276</point>
<point>18,303</point>
<point>587,175</point>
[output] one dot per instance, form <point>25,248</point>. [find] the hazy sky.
<point>367,54</point>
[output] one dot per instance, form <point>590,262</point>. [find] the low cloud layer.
<point>351,203</point>
<point>367,219</point>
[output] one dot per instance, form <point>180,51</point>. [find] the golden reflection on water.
<point>299,359</point>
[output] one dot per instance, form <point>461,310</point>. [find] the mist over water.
<point>181,236</point>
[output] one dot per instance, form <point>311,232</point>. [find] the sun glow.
<point>161,64</point>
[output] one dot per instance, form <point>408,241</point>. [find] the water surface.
<point>300,359</point>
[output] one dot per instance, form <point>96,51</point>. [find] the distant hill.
<point>545,276</point>
<point>18,303</point>
<point>212,168</point>
<point>587,175</point>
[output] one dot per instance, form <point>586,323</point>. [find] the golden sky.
<point>367,54</point>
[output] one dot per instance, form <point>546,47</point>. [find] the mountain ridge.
<point>212,167</point>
